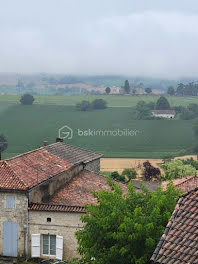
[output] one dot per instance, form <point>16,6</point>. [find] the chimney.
<point>59,139</point>
<point>45,143</point>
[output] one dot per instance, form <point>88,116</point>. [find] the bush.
<point>99,104</point>
<point>84,106</point>
<point>177,169</point>
<point>129,173</point>
<point>116,176</point>
<point>27,99</point>
<point>191,162</point>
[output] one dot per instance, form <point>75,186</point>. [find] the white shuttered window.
<point>36,246</point>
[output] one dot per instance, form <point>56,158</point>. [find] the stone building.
<point>42,197</point>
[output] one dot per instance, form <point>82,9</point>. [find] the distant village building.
<point>134,90</point>
<point>115,90</point>
<point>163,113</point>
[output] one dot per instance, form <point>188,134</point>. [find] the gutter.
<point>27,228</point>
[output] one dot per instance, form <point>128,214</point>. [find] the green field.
<point>112,100</point>
<point>26,127</point>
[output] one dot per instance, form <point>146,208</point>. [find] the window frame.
<point>49,245</point>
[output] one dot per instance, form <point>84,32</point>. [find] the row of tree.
<point>190,89</point>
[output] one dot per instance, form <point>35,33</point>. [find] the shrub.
<point>27,99</point>
<point>116,176</point>
<point>84,106</point>
<point>129,173</point>
<point>177,169</point>
<point>99,104</point>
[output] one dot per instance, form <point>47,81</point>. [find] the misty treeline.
<point>190,89</point>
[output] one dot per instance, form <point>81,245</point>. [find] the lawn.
<point>26,127</point>
<point>112,100</point>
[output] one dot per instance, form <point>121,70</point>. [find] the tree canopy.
<point>99,104</point>
<point>108,90</point>
<point>125,229</point>
<point>148,90</point>
<point>127,87</point>
<point>27,99</point>
<point>84,106</point>
<point>177,169</point>
<point>162,104</point>
<point>171,90</point>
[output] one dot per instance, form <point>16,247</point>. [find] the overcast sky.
<point>133,37</point>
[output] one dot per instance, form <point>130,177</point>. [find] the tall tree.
<point>180,89</point>
<point>125,229</point>
<point>162,104</point>
<point>27,99</point>
<point>148,90</point>
<point>108,90</point>
<point>171,90</point>
<point>127,87</point>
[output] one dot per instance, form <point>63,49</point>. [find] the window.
<point>49,219</point>
<point>49,244</point>
<point>10,200</point>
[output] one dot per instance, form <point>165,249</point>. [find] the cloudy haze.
<point>128,37</point>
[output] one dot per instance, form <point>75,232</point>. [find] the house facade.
<point>42,198</point>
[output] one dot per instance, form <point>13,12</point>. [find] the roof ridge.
<point>62,143</point>
<point>25,153</point>
<point>14,174</point>
<point>49,204</point>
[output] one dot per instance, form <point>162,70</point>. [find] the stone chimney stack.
<point>59,139</point>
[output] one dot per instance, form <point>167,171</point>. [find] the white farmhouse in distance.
<point>164,113</point>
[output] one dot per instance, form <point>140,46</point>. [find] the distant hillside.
<point>33,81</point>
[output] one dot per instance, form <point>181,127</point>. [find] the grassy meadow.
<point>26,127</point>
<point>112,100</point>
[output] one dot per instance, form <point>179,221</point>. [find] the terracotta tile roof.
<point>185,184</point>
<point>56,208</point>
<point>8,179</point>
<point>179,243</point>
<point>78,191</point>
<point>71,153</point>
<point>31,169</point>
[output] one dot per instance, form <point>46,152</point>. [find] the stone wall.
<point>93,166</point>
<point>43,192</point>
<point>62,223</point>
<point>18,215</point>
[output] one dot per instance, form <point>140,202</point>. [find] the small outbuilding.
<point>164,113</point>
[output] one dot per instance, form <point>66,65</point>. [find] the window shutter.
<point>36,246</point>
<point>10,201</point>
<point>59,247</point>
